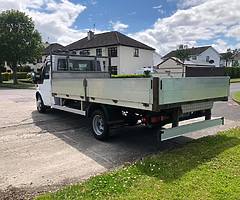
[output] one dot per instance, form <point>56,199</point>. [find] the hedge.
<point>8,76</point>
<point>130,76</point>
<point>233,72</point>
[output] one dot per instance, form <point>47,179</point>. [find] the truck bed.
<point>152,94</point>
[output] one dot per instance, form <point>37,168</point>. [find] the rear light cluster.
<point>154,119</point>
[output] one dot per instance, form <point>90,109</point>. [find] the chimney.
<point>90,35</point>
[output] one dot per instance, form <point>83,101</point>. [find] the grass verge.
<point>208,168</point>
<point>235,80</point>
<point>22,84</point>
<point>236,97</point>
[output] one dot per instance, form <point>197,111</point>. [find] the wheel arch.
<point>93,107</point>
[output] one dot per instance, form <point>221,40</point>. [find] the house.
<point>204,54</point>
<point>127,55</point>
<point>233,61</point>
<point>47,51</point>
<point>174,67</point>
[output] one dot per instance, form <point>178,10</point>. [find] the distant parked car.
<point>152,70</point>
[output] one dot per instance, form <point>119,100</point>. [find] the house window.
<point>99,52</point>
<point>85,52</point>
<point>194,57</point>
<point>136,52</point>
<point>114,70</point>
<point>207,59</point>
<point>112,52</point>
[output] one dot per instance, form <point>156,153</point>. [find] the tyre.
<point>40,105</point>
<point>99,125</point>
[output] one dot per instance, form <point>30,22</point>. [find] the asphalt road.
<point>57,148</point>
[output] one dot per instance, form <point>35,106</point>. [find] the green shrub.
<point>233,72</point>
<point>6,76</point>
<point>130,76</point>
<point>22,75</point>
<point>24,68</point>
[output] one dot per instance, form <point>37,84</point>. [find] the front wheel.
<point>100,127</point>
<point>40,105</point>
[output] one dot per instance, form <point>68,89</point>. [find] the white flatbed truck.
<point>83,85</point>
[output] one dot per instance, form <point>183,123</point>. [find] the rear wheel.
<point>40,105</point>
<point>100,127</point>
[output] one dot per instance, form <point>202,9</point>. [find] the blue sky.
<point>139,15</point>
<point>162,24</point>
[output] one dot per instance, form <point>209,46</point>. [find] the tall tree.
<point>182,54</point>
<point>228,56</point>
<point>20,42</point>
<point>1,66</point>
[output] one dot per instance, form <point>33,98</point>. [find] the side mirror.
<point>35,77</point>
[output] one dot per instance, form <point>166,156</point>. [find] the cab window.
<point>62,65</point>
<point>46,70</point>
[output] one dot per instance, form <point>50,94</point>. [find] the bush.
<point>6,76</point>
<point>233,72</point>
<point>3,69</point>
<point>22,75</point>
<point>24,68</point>
<point>130,76</point>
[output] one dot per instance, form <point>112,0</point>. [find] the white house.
<point>174,67</point>
<point>205,54</point>
<point>127,55</point>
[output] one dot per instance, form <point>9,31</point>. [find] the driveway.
<point>45,150</point>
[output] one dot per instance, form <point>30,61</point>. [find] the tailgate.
<point>179,90</point>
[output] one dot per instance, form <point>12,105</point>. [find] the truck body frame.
<point>153,101</point>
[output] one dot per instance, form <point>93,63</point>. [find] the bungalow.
<point>205,54</point>
<point>174,67</point>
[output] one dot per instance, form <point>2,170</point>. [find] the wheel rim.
<point>98,124</point>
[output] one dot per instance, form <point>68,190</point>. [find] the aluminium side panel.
<point>180,90</point>
<point>121,89</point>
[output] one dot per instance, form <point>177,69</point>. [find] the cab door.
<point>45,88</point>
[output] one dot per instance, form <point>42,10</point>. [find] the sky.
<point>162,24</point>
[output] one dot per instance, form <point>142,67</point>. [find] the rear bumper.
<point>188,128</point>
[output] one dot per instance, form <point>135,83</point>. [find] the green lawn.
<point>236,97</point>
<point>22,84</point>
<point>208,168</point>
<point>235,80</point>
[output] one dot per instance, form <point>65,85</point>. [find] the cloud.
<point>211,21</point>
<point>206,21</point>
<point>118,26</point>
<point>159,8</point>
<point>54,19</point>
<point>189,3</point>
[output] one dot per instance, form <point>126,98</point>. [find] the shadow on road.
<point>125,144</point>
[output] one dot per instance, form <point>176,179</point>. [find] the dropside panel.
<point>180,90</point>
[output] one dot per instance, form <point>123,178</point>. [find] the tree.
<point>228,56</point>
<point>182,54</point>
<point>20,42</point>
<point>1,66</point>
